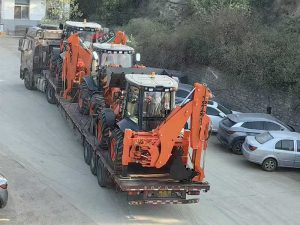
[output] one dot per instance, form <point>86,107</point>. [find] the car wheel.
<point>269,164</point>
<point>237,147</point>
<point>93,163</point>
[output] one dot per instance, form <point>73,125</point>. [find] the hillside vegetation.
<point>256,42</point>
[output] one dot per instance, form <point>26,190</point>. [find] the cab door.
<point>26,54</point>
<point>297,153</point>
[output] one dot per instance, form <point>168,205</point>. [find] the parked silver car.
<point>3,191</point>
<point>234,129</point>
<point>215,111</point>
<point>273,149</point>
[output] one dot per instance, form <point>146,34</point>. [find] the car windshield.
<point>224,109</point>
<point>123,60</point>
<point>263,138</point>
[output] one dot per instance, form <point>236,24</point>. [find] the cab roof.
<point>112,47</point>
<point>83,24</point>
<point>153,81</point>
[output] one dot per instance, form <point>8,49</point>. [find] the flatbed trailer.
<point>140,188</point>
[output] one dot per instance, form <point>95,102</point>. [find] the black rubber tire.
<point>236,147</point>
<point>84,96</point>
<point>2,204</point>
<point>103,176</point>
<point>93,163</point>
<point>103,143</point>
<point>28,80</point>
<point>116,146</point>
<point>58,74</point>
<point>53,59</point>
<point>87,153</point>
<point>50,94</point>
<point>269,164</point>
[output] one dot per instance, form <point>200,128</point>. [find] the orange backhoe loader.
<point>142,129</point>
<point>70,67</point>
<point>76,65</point>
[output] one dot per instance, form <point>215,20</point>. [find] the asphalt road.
<point>49,183</point>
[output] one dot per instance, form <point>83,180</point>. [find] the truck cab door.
<point>26,54</point>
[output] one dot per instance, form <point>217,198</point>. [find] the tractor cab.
<point>87,31</point>
<point>114,55</point>
<point>149,100</point>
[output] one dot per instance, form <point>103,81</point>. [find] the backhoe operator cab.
<point>114,55</point>
<point>149,100</point>
<point>36,47</point>
<point>88,32</point>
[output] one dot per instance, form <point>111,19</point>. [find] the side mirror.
<point>137,57</point>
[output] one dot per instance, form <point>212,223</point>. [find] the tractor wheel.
<point>28,80</point>
<point>102,174</point>
<point>97,103</point>
<point>93,162</point>
<point>102,131</point>
<point>83,96</point>
<point>53,63</point>
<point>58,74</point>
<point>87,152</point>
<point>116,150</point>
<point>50,94</point>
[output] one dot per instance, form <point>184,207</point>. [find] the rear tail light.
<point>252,148</point>
<point>3,186</point>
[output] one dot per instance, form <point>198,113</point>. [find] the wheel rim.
<point>270,165</point>
<point>237,147</point>
<point>112,149</point>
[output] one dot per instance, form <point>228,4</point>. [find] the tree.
<point>62,10</point>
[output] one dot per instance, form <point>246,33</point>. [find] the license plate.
<point>164,194</point>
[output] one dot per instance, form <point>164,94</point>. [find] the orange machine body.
<point>154,148</point>
<point>120,38</point>
<point>76,65</point>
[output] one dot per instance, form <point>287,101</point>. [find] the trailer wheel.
<point>93,162</point>
<point>87,153</point>
<point>83,97</point>
<point>28,80</point>
<point>102,174</point>
<point>116,150</point>
<point>50,94</point>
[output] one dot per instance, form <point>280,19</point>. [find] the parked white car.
<point>273,149</point>
<point>216,113</point>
